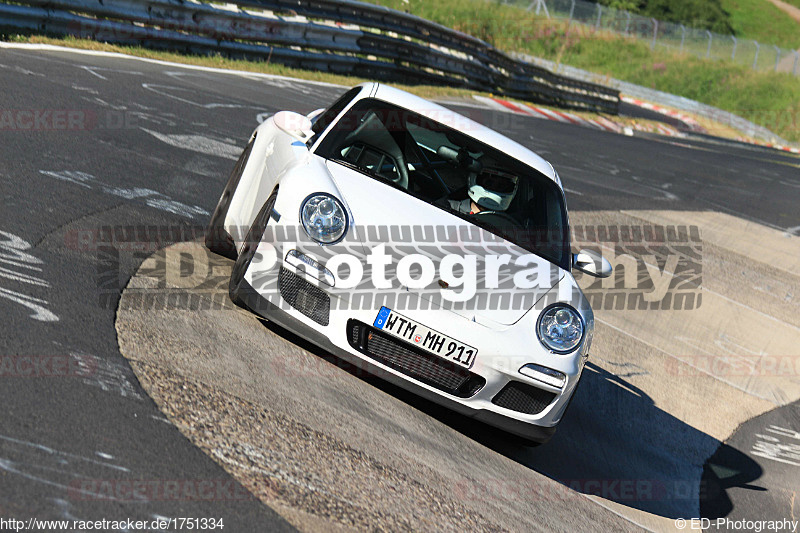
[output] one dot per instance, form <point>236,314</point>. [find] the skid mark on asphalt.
<point>143,195</point>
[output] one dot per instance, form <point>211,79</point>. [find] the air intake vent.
<point>523,398</point>
<point>305,297</point>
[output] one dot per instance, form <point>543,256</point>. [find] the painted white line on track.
<point>161,90</point>
<point>198,143</point>
<point>92,70</point>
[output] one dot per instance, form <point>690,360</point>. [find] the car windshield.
<point>452,171</point>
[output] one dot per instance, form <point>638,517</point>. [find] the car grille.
<point>412,361</point>
<point>305,297</point>
<point>524,398</point>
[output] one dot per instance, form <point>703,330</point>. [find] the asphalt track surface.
<point>156,151</point>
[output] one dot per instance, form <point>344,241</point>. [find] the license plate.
<point>428,339</point>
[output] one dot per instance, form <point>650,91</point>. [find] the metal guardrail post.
<point>777,56</point>
<point>655,34</point>
<point>755,59</point>
<point>735,42</point>
<point>599,14</point>
<point>627,22</point>
<point>571,13</point>
<point>796,58</point>
<point>683,36</point>
<point>710,38</point>
<point>541,5</point>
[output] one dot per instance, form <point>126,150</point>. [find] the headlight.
<point>560,328</point>
<point>323,218</point>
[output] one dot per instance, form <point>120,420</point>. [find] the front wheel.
<point>249,247</point>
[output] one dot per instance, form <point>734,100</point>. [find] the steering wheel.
<point>499,214</point>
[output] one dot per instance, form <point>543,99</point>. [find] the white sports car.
<point>418,245</point>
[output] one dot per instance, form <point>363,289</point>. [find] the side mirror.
<point>592,263</point>
<point>314,115</point>
<point>294,124</point>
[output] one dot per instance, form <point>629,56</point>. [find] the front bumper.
<point>333,337</point>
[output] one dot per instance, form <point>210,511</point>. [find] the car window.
<point>454,172</point>
<point>324,120</point>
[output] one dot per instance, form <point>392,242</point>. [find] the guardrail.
<point>339,36</point>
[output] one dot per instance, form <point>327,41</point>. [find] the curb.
<point>790,149</point>
<point>599,123</point>
<point>686,119</point>
<point>606,124</point>
<point>694,126</point>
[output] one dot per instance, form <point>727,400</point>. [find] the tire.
<point>249,247</point>
<point>218,240</point>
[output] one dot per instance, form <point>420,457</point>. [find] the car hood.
<point>392,223</point>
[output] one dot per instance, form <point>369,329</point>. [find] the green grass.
<point>761,21</point>
<point>751,19</point>
<point>766,98</point>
